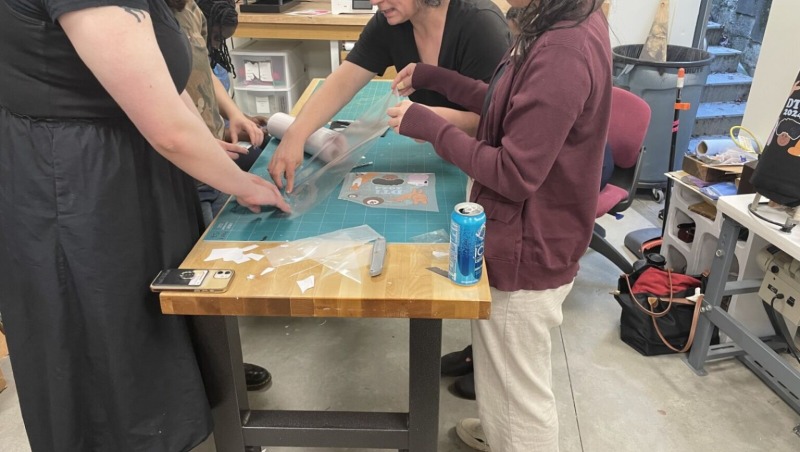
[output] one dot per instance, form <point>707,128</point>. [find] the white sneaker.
<point>470,431</point>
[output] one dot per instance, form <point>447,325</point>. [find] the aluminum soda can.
<point>467,231</point>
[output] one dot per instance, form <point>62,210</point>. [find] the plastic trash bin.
<point>656,83</point>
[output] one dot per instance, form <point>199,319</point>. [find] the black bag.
<point>776,175</point>
<point>659,318</point>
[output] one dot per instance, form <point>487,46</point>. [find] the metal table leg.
<point>425,342</point>
<point>715,290</point>
<point>219,351</point>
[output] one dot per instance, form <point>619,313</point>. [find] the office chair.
<point>630,116</point>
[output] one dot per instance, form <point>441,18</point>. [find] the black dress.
<point>89,213</point>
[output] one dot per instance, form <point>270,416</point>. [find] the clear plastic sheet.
<point>348,263</point>
<point>343,251</point>
<point>318,177</point>
<point>437,236</point>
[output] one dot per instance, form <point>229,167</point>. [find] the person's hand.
<point>240,124</point>
<point>287,158</point>
<point>402,81</point>
<point>233,150</point>
<point>260,120</point>
<point>396,114</point>
<point>261,193</point>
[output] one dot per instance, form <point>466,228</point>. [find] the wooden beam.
<point>655,47</point>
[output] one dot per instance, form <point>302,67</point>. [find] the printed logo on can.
<point>479,239</point>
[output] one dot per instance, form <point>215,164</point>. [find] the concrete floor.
<point>609,397</point>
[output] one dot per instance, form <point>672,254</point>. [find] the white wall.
<point>630,21</point>
<point>778,65</point>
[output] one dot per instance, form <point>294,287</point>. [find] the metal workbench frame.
<point>758,354</point>
<point>237,426</point>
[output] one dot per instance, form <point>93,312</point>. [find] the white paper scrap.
<point>440,254</point>
<point>234,254</point>
<point>254,256</point>
<point>306,284</point>
<point>238,259</point>
<point>267,270</point>
<point>219,253</point>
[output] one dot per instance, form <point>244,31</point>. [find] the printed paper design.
<point>407,191</point>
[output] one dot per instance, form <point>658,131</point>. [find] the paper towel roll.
<point>325,143</point>
<point>716,146</point>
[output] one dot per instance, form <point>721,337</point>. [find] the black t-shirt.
<point>43,76</point>
<point>475,39</point>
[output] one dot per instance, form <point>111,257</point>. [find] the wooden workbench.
<point>334,28</point>
<point>326,27</point>
<point>407,289</point>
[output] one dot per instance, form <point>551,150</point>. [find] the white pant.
<point>513,372</point>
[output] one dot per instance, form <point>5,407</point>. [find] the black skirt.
<point>89,213</point>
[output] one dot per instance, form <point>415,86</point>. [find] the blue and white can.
<point>467,231</point>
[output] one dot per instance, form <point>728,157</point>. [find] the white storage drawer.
<point>270,64</point>
<point>255,100</point>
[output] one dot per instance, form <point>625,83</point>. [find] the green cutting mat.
<point>391,153</point>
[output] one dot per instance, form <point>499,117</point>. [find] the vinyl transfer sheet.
<point>317,178</point>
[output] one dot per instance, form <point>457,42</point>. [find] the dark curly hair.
<point>219,14</point>
<point>542,15</point>
<point>176,5</point>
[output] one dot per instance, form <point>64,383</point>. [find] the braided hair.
<point>220,14</point>
<point>542,15</point>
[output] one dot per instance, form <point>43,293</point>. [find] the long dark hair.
<point>219,14</point>
<point>176,5</point>
<point>542,15</point>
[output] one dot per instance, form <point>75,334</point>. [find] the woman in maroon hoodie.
<point>535,166</point>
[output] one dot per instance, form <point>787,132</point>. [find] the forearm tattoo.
<point>137,13</point>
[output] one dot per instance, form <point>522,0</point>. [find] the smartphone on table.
<point>197,280</point>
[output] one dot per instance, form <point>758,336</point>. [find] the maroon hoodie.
<point>538,153</point>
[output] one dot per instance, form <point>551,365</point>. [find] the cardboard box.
<point>745,186</point>
<point>708,173</point>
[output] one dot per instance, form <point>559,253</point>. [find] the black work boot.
<point>256,377</point>
<point>464,386</point>
<point>456,364</point>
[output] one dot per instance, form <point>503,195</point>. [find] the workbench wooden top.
<point>413,285</point>
<point>322,19</point>
<point>326,27</point>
